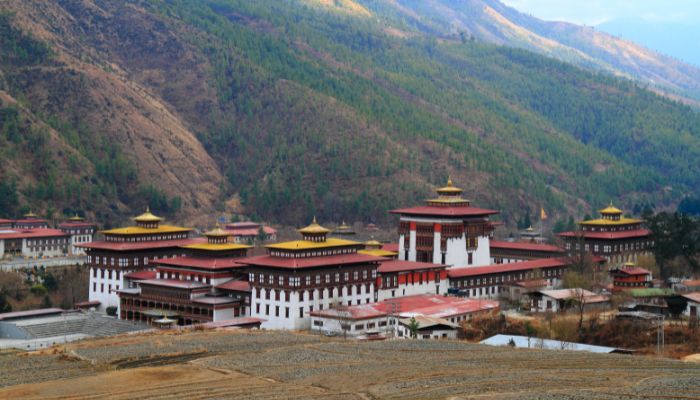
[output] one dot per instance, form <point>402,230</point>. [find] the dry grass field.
<point>270,365</point>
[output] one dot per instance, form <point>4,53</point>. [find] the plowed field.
<point>270,365</point>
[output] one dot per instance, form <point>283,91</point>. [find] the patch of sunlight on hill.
<point>348,6</point>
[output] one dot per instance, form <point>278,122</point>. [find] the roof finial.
<point>148,208</point>
<point>314,221</point>
<point>449,181</point>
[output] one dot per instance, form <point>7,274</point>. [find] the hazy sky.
<point>594,12</point>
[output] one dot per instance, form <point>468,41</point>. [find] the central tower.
<point>446,230</point>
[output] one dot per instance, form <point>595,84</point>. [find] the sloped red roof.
<point>455,211</point>
<point>391,247</point>
<point>76,225</point>
<point>429,305</point>
<point>633,271</point>
<point>309,262</point>
<point>239,286</point>
<point>512,267</point>
<point>400,266</point>
<point>200,262</point>
<point>499,244</point>
<point>141,275</point>
<point>176,283</point>
<point>132,246</point>
<point>695,296</point>
<point>31,233</point>
<point>250,231</point>
<point>608,235</point>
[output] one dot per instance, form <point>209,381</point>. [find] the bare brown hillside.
<point>111,93</point>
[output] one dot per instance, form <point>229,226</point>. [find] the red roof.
<point>200,262</point>
<point>76,225</point>
<point>309,262</point>
<point>131,246</point>
<point>498,244</point>
<point>429,305</point>
<point>453,211</point>
<point>239,286</point>
<point>176,283</point>
<point>512,267</point>
<point>31,221</point>
<point>608,235</point>
<point>31,233</point>
<point>633,271</point>
<point>250,231</point>
<point>86,304</point>
<point>6,221</point>
<point>141,275</point>
<point>391,247</point>
<point>695,296</point>
<point>399,266</point>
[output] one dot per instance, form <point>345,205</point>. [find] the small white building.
<point>385,316</point>
<point>33,243</point>
<point>561,300</point>
<point>692,310</point>
<point>427,328</point>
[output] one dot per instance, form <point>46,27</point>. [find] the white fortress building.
<point>299,277</point>
<point>446,230</point>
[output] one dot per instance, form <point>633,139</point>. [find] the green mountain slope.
<point>328,108</point>
<point>493,22</point>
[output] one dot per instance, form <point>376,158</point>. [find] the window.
<point>318,323</point>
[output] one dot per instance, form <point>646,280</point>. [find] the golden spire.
<point>217,232</point>
<point>314,228</point>
<point>147,216</point>
<point>76,217</point>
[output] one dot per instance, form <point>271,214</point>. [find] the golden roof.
<point>30,214</point>
<point>309,245</point>
<point>344,226</point>
<point>137,230</point>
<point>217,232</point>
<point>216,247</point>
<point>147,217</point>
<point>76,218</point>
<point>530,229</point>
<point>373,243</point>
<point>378,253</point>
<point>601,221</point>
<point>611,210</point>
<point>314,228</point>
<point>449,189</point>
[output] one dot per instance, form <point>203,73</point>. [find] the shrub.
<point>38,290</point>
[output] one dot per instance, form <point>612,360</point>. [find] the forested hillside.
<point>288,109</point>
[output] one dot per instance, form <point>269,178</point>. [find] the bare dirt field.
<point>270,365</point>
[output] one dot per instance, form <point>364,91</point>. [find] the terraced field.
<point>245,364</point>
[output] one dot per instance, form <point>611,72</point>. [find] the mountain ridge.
<point>292,109</point>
